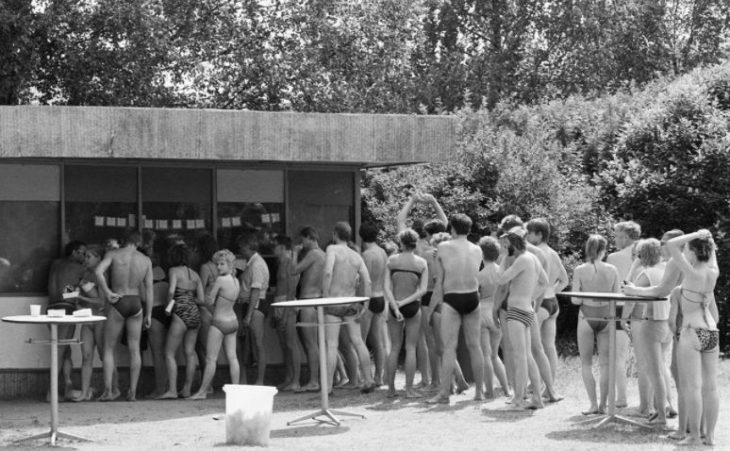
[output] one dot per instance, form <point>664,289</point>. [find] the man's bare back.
<point>523,276</point>
<point>128,270</point>
<point>311,269</point>
<point>375,260</point>
<point>344,269</point>
<point>460,260</point>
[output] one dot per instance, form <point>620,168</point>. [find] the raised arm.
<point>675,245</point>
<point>437,208</point>
<point>403,213</point>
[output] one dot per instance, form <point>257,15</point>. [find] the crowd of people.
<point>500,290</point>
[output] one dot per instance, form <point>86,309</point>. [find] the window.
<point>100,202</point>
<point>29,225</point>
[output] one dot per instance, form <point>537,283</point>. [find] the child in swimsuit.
<point>224,326</point>
<point>594,276</point>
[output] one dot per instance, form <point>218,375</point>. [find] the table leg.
<point>323,383</point>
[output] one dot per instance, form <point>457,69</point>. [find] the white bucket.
<point>248,414</point>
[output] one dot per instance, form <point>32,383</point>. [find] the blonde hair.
<point>224,255</point>
<point>649,251</point>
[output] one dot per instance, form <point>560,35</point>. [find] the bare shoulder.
<point>420,261</point>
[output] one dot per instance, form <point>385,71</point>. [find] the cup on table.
<point>35,310</point>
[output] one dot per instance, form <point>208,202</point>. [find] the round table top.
<point>611,296</point>
<point>323,302</point>
<point>45,319</point>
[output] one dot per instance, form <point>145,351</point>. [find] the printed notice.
<point>275,217</point>
<point>177,224</point>
<point>200,223</point>
<point>236,221</point>
<point>99,221</point>
<point>226,222</point>
<point>121,222</point>
<point>111,222</point>
<point>132,220</point>
<point>149,224</point>
<point>266,218</point>
<point>190,224</point>
<point>162,224</point>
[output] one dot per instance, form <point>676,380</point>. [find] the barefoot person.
<point>697,356</point>
<point>372,321</point>
<point>491,334</point>
<point>406,279</point>
<point>224,325</point>
<point>458,285</point>
<point>344,269</point>
<point>538,234</point>
<point>64,277</point>
<point>254,285</point>
<point>157,332</point>
<point>596,276</point>
<point>285,319</point>
<point>527,282</point>
<point>207,247</point>
<point>131,282</point>
<point>184,295</point>
<point>625,235</point>
<point>92,335</point>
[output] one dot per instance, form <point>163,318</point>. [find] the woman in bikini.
<point>698,350</point>
<point>207,247</point>
<point>92,335</point>
<point>595,276</point>
<point>224,326</point>
<point>185,294</point>
<point>406,281</point>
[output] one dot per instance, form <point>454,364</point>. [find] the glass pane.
<point>29,237</point>
<point>101,202</point>
<point>176,205</point>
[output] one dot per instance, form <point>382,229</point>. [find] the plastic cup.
<point>248,414</point>
<point>35,310</point>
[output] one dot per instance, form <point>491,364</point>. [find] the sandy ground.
<point>390,424</point>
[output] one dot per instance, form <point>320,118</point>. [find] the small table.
<point>54,322</point>
<point>320,303</point>
<point>612,298</point>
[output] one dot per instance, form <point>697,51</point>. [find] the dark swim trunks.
<point>409,310</point>
<point>426,299</point>
<point>158,313</point>
<point>551,305</point>
<point>377,304</point>
<point>128,305</point>
<point>463,303</point>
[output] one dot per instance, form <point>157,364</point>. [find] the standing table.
<point>320,304</point>
<point>612,298</point>
<point>54,322</point>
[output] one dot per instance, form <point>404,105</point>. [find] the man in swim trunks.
<point>286,318</point>
<point>254,285</point>
<point>527,281</point>
<point>65,275</point>
<point>344,270</point>
<point>538,234</point>
<point>131,283</point>
<point>372,321</point>
<point>626,234</point>
<point>458,284</point>
<point>308,263</point>
<point>426,352</point>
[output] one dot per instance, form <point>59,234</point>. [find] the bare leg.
<point>681,409</point>
<point>689,363</point>
<point>332,341</point>
<point>212,349</point>
<point>348,352</point>
<point>519,338</point>
<point>655,370</point>
<point>472,323</point>
<point>450,324</point>
<point>412,338</point>
<point>507,349</point>
<point>309,340</point>
<point>542,362</point>
<point>622,354</point>
<point>112,329</point>
<point>87,360</point>
<point>134,334</point>
<point>488,364</point>
<point>174,338</point>
<point>396,341</point>
<point>424,366</point>
<point>641,357</point>
<point>353,331</point>
<point>433,356</point>
<point>585,348</point>
<point>548,331</point>
<point>191,361</point>
<point>376,333</point>
<point>206,317</point>
<point>710,399</point>
<point>495,337</point>
<point>602,341</point>
<point>66,332</point>
<point>293,348</point>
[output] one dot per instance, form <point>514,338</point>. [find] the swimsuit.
<point>551,305</point>
<point>523,316</point>
<point>159,314</point>
<point>709,339</point>
<point>343,310</point>
<point>426,299</point>
<point>129,305</point>
<point>185,308</point>
<point>226,326</point>
<point>405,283</point>
<point>463,303</point>
<point>376,304</point>
<point>408,311</point>
<point>590,311</point>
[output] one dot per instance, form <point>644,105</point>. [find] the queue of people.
<point>500,291</point>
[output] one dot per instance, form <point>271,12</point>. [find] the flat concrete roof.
<point>224,135</point>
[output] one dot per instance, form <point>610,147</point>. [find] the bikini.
<point>128,305</point>
<point>709,339</point>
<point>159,314</point>
<point>226,326</point>
<point>523,316</point>
<point>377,304</point>
<point>412,308</point>
<point>592,311</point>
<point>463,303</point>
<point>185,307</point>
<point>426,299</point>
<point>551,305</point>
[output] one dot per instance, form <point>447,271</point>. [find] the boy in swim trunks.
<point>372,322</point>
<point>66,272</point>
<point>286,318</point>
<point>131,283</point>
<point>458,285</point>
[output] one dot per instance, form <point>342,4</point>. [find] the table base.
<point>606,419</point>
<point>54,436</point>
<point>329,414</point>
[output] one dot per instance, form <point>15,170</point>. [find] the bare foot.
<point>311,387</point>
<point>106,396</point>
<point>115,394</point>
<point>462,387</point>
<point>555,398</point>
<point>690,441</point>
<point>478,396</point>
<point>677,435</point>
<point>391,394</point>
<point>343,383</point>
<point>368,388</point>
<point>168,395</point>
<point>411,393</point>
<point>709,441</point>
<point>292,387</point>
<point>438,399</point>
<point>131,396</point>
<point>283,385</point>
<point>534,406</point>
<point>421,385</point>
<point>198,396</point>
<point>154,395</point>
<point>185,393</point>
